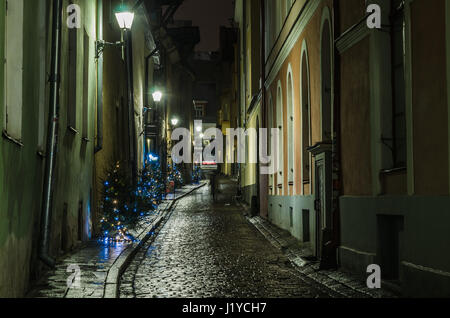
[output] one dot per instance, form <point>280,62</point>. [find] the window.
<point>306,130</point>
<point>86,86</point>
<point>398,84</point>
<point>280,149</point>
<point>14,69</point>
<point>290,123</point>
<point>326,82</point>
<point>270,150</point>
<point>199,110</point>
<point>72,80</point>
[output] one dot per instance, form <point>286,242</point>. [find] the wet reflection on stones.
<point>208,249</point>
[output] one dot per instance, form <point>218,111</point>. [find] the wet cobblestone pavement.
<point>90,264</point>
<point>208,249</point>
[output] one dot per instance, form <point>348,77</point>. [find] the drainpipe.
<point>131,120</point>
<point>337,171</point>
<point>147,64</point>
<point>264,184</point>
<point>146,94</point>
<point>244,71</point>
<point>99,145</point>
<point>52,135</point>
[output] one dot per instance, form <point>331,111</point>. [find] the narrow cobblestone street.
<point>208,249</point>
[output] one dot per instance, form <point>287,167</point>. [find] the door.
<point>319,206</point>
<point>322,203</point>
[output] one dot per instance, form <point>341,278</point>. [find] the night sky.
<point>209,15</point>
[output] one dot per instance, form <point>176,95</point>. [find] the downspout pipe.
<point>52,135</point>
<point>243,55</point>
<point>99,145</point>
<point>147,93</point>
<point>263,177</point>
<point>147,65</point>
<point>131,122</point>
<point>337,124</point>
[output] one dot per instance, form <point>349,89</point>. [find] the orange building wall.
<point>312,37</point>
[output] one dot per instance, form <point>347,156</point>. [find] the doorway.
<point>390,228</point>
<point>322,197</point>
<point>80,221</point>
<point>64,229</point>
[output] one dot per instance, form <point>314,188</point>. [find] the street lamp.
<point>125,20</point>
<point>157,96</point>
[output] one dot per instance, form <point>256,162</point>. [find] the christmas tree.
<point>125,204</point>
<point>150,190</point>
<point>175,175</point>
<point>117,204</point>
<point>196,174</point>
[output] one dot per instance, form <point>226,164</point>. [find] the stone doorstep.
<point>342,283</point>
<point>113,278</point>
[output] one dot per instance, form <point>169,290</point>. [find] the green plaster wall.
<point>22,169</point>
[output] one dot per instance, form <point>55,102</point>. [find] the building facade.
<point>28,80</point>
<point>65,120</point>
<point>361,113</point>
<point>395,176</point>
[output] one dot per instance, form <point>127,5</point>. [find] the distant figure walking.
<point>213,185</point>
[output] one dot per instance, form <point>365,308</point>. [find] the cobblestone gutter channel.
<point>94,270</point>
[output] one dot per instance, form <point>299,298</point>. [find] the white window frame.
<point>280,126</point>
<point>290,126</point>
<point>304,52</point>
<point>269,143</point>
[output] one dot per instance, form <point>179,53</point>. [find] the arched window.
<point>269,144</point>
<point>306,116</point>
<point>326,77</point>
<point>280,126</point>
<point>290,126</point>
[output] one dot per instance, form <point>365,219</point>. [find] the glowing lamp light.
<point>157,96</point>
<point>174,121</point>
<point>199,129</point>
<point>124,18</point>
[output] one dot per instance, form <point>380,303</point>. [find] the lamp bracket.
<point>101,44</point>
